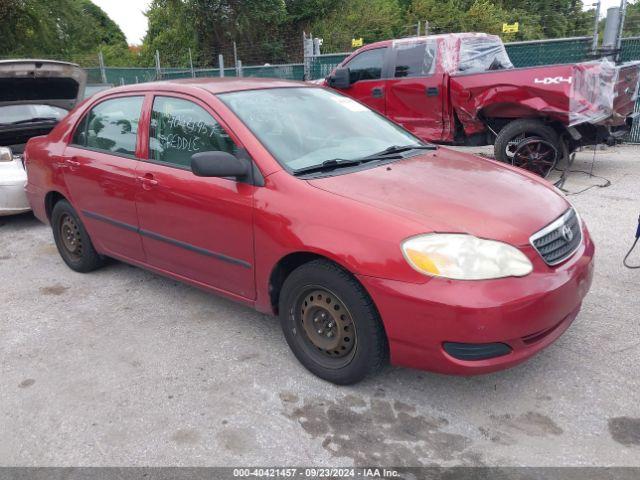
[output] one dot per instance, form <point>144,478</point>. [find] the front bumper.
<point>13,179</point>
<point>527,314</point>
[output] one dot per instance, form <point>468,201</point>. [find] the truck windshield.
<point>479,55</point>
<point>305,127</point>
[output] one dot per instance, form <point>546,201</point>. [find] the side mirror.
<point>218,164</point>
<point>341,78</point>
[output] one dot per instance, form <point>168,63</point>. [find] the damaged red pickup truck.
<point>462,89</point>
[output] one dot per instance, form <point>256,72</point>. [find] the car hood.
<point>44,82</point>
<point>453,192</point>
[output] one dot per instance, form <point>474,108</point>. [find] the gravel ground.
<point>122,367</point>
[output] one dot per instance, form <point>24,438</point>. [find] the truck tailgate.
<point>626,91</point>
<point>603,94</point>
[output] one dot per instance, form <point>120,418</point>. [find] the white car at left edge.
<point>34,96</point>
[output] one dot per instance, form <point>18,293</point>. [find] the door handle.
<point>147,181</point>
<point>433,91</point>
<point>377,92</point>
<point>72,163</point>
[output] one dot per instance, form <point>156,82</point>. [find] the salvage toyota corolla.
<point>298,201</point>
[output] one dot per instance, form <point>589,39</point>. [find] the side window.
<point>367,65</point>
<point>113,126</point>
<point>180,128</point>
<point>415,59</point>
<point>80,135</point>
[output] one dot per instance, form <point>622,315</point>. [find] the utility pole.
<point>596,27</point>
<point>235,58</point>
<point>308,50</point>
<point>103,71</point>
<point>158,69</point>
<point>193,72</point>
<point>418,34</point>
<point>221,65</point>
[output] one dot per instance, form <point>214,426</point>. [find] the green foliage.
<point>632,21</point>
<point>67,29</point>
<point>171,31</point>
<point>270,30</point>
<point>372,20</point>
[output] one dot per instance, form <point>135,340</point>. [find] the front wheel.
<point>529,144</point>
<point>331,324</point>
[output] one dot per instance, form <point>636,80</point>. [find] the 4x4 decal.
<point>554,80</point>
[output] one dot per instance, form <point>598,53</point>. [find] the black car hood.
<point>43,82</point>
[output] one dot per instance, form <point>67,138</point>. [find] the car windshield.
<point>479,55</point>
<point>24,113</point>
<point>304,127</point>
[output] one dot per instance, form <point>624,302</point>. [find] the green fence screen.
<point>523,54</point>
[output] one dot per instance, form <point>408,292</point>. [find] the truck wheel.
<point>331,323</point>
<point>72,240</point>
<point>513,134</point>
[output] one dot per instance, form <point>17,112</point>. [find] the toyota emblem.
<point>567,233</point>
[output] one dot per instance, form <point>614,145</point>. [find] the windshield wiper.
<point>335,163</point>
<point>396,149</point>
<point>32,120</point>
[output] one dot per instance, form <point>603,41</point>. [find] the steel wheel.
<point>329,331</point>
<point>71,237</point>
<point>536,155</point>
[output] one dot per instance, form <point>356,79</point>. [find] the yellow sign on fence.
<point>357,42</point>
<point>510,27</point>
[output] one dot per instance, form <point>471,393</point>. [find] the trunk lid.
<point>41,82</point>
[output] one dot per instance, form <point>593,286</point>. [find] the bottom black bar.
<point>373,473</point>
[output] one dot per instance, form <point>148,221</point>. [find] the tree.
<point>444,16</point>
<point>371,20</point>
<point>172,31</point>
<point>66,29</point>
<point>632,20</point>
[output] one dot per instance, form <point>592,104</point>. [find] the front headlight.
<point>5,154</point>
<point>464,257</point>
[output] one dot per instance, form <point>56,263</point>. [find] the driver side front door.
<point>368,83</point>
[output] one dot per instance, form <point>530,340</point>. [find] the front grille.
<point>558,241</point>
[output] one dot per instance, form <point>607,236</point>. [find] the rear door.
<point>198,228</point>
<point>415,93</point>
<point>367,70</point>
<point>100,173</point>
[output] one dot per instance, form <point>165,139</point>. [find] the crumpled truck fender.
<point>517,93</point>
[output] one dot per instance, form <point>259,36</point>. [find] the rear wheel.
<point>529,144</point>
<point>331,324</point>
<point>72,240</point>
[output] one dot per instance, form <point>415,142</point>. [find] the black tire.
<point>72,239</point>
<point>521,129</point>
<point>362,349</point>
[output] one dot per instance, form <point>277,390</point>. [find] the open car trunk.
<point>42,82</point>
<point>34,96</point>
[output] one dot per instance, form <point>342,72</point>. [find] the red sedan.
<point>298,201</point>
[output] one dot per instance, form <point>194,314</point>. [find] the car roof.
<point>213,85</point>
